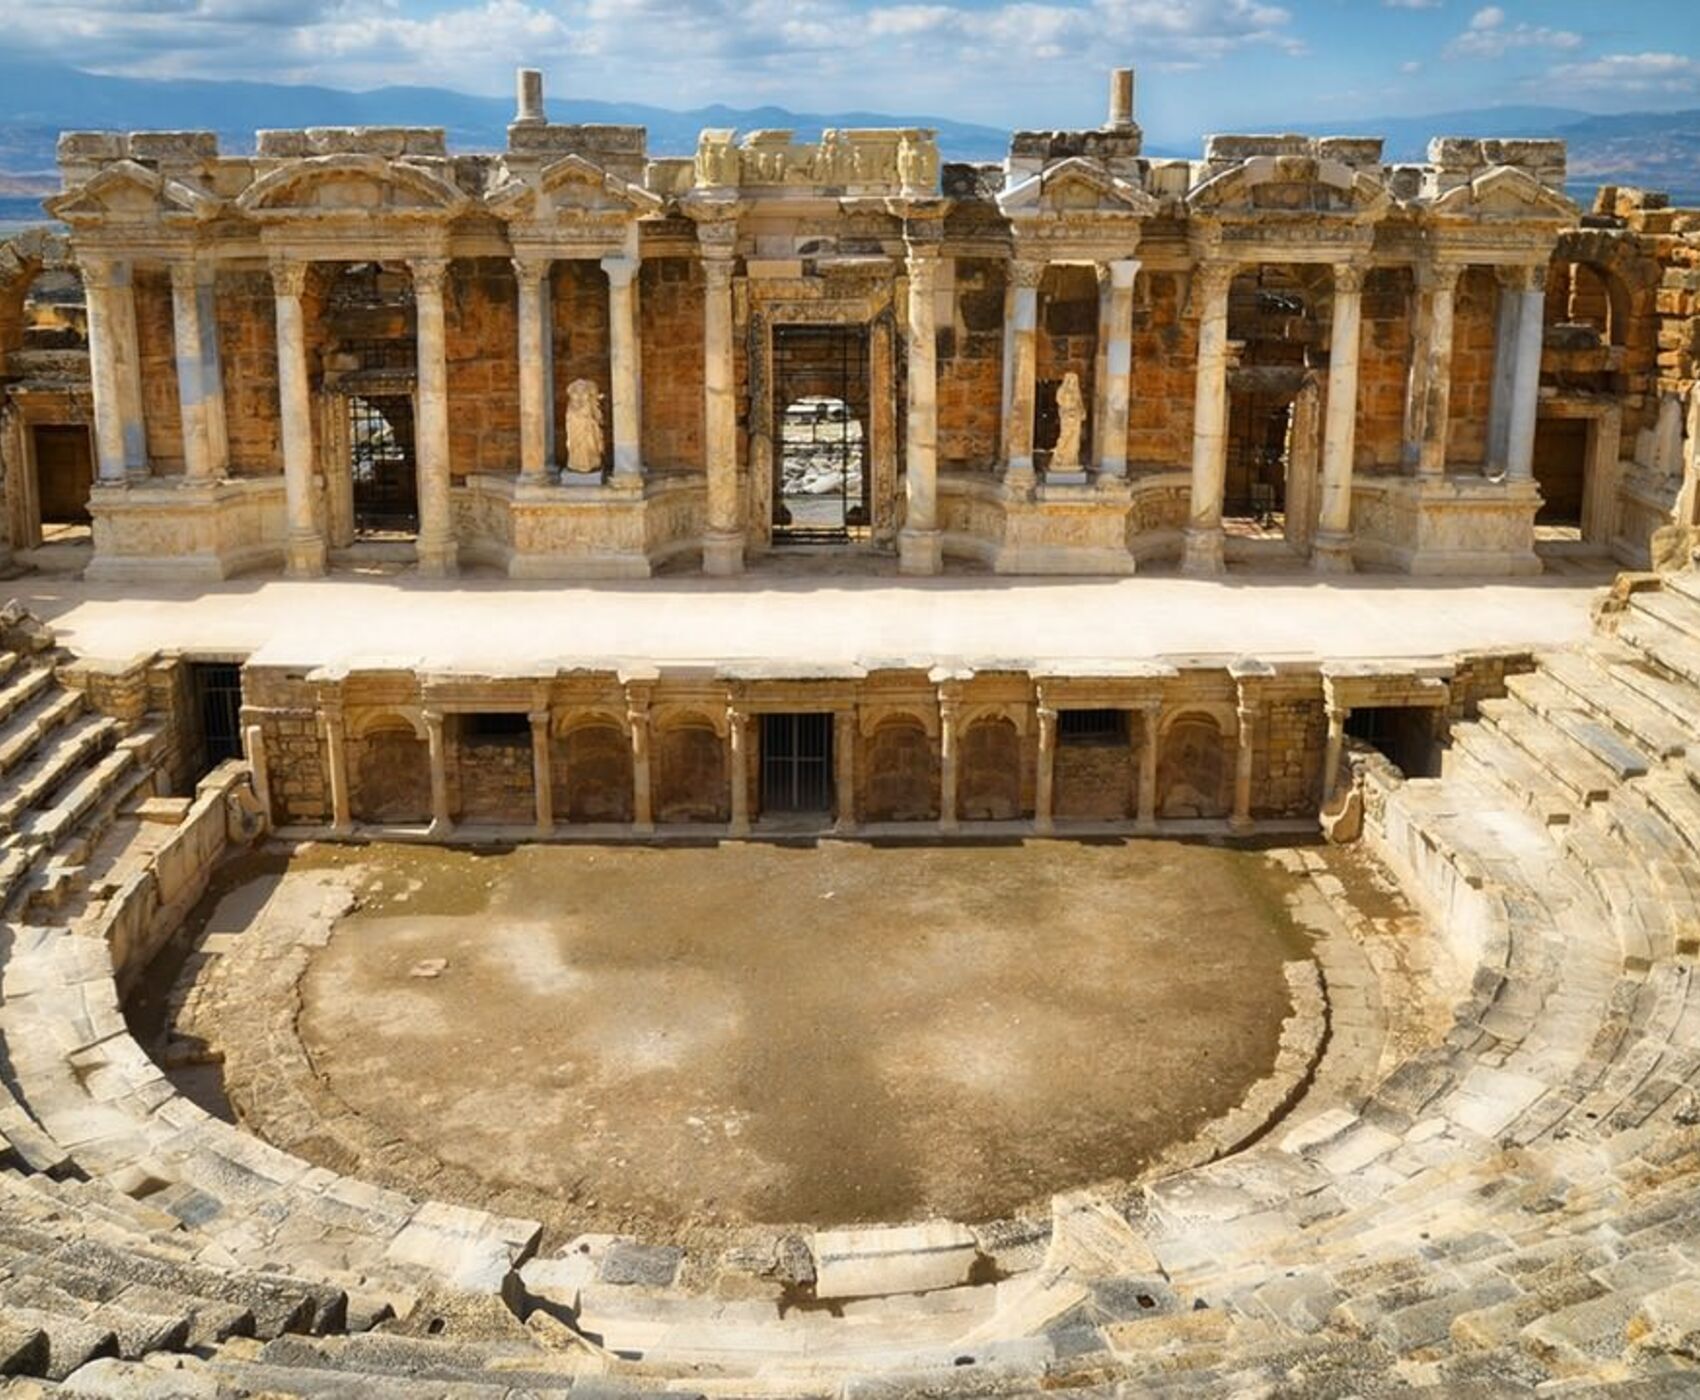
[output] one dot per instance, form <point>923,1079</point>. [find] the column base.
<point>1240,825</point>
<point>304,555</point>
<point>920,552</point>
<point>1202,551</point>
<point>438,558</point>
<point>723,553</point>
<point>441,829</point>
<point>1331,553</point>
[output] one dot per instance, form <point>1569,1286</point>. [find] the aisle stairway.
<point>1513,1211</point>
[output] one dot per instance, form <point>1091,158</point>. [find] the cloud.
<point>1413,4</point>
<point>1628,73</point>
<point>1488,36</point>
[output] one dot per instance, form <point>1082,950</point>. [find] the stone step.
<point>1646,628</point>
<point>1645,722</point>
<point>30,726</point>
<point>1550,701</point>
<point>71,1342</point>
<point>61,757</point>
<point>252,1378</point>
<point>1679,699</point>
<point>22,688</point>
<point>1678,802</point>
<point>23,1349</point>
<point>78,798</point>
<point>1507,766</point>
<point>138,1333</point>
<point>1671,604</point>
<point>1584,779</point>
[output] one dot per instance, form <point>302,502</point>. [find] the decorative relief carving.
<point>885,160</point>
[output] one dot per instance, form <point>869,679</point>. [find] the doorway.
<point>383,465</point>
<point>64,476</point>
<point>1259,437</point>
<point>820,387</point>
<point>796,763</point>
<point>1561,469</point>
<point>217,687</point>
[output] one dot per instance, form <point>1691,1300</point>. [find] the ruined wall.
<point>490,779</point>
<point>970,367</point>
<point>1384,364</point>
<point>1067,340</point>
<point>247,343</point>
<point>155,339</point>
<point>1165,348</point>
<point>1290,746</point>
<point>897,767</point>
<point>591,768</point>
<point>1475,316</point>
<point>482,331</point>
<point>579,302</point>
<point>671,296</point>
<point>1097,781</point>
<point>389,773</point>
<point>988,782</point>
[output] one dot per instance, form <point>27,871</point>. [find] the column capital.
<point>1523,277</point>
<point>539,718</point>
<point>429,274</point>
<point>1027,272</point>
<point>104,274</point>
<point>1349,277</point>
<point>1123,271</point>
<point>922,265</point>
<point>620,269</point>
<point>185,276</point>
<point>433,718</point>
<point>532,269</point>
<point>717,271</point>
<point>1433,275</point>
<point>717,238</point>
<point>289,277</point>
<point>1214,277</point>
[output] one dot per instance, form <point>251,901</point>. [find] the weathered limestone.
<point>920,548</point>
<point>623,367</point>
<point>536,381</point>
<point>106,284</point>
<point>723,543</point>
<point>1020,367</point>
<point>194,390</point>
<point>305,546</point>
<point>1526,374</point>
<point>1438,286</point>
<point>1203,553</point>
<point>1331,551</point>
<point>542,778</point>
<point>1118,369</point>
<point>439,552</point>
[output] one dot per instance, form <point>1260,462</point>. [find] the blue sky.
<point>1203,64</point>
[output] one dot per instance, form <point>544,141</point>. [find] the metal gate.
<point>218,701</point>
<point>796,763</point>
<point>820,387</point>
<point>383,465</point>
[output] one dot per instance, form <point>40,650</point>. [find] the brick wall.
<point>247,343</point>
<point>155,337</point>
<point>579,301</point>
<point>481,331</point>
<point>1165,344</point>
<point>970,367</point>
<point>670,306</point>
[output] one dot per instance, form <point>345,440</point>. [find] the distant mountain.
<point>37,101</point>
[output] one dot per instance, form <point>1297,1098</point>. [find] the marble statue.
<point>584,426</point>
<point>1071,412</point>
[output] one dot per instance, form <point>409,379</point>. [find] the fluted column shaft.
<point>438,554</point>
<point>623,366</point>
<point>919,550</point>
<point>1203,549</point>
<point>304,548</point>
<point>1332,548</point>
<point>535,399</point>
<point>1111,432</point>
<point>188,334</point>
<point>542,772</point>
<point>723,546</point>
<point>1021,358</point>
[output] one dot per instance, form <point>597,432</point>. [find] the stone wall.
<point>1165,347</point>
<point>1384,366</point>
<point>156,341</point>
<point>579,300</point>
<point>970,367</point>
<point>482,331</point>
<point>490,780</point>
<point>1067,341</point>
<point>670,309</point>
<point>247,346</point>
<point>1475,313</point>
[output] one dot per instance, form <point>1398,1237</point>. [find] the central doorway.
<point>383,465</point>
<point>796,763</point>
<point>820,488</point>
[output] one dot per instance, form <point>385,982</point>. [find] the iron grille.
<point>1091,726</point>
<point>383,465</point>
<point>218,701</point>
<point>796,763</point>
<point>820,492</point>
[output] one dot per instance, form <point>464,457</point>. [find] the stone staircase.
<point>1514,1210</point>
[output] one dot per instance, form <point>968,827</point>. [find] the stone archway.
<point>900,773</point>
<point>591,768</point>
<point>690,774</point>
<point>1195,769</point>
<point>989,785</point>
<point>391,766</point>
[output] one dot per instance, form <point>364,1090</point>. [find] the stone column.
<point>1331,551</point>
<point>844,769</point>
<point>1111,433</point>
<point>212,368</point>
<point>187,334</point>
<point>919,547</point>
<point>1045,775</point>
<point>121,317</point>
<point>1203,548</point>
<point>623,367</point>
<point>304,548</point>
<point>1504,368</point>
<point>643,812</point>
<point>1335,751</point>
<point>254,750</point>
<point>1304,443</point>
<point>738,767</point>
<point>441,824</point>
<point>1434,415</point>
<point>104,283</point>
<point>723,544</point>
<point>1151,713</point>
<point>1021,362</point>
<point>536,395</point>
<point>336,750</point>
<point>1243,755</point>
<point>1526,374</point>
<point>947,763</point>
<point>542,772</point>
<point>438,553</point>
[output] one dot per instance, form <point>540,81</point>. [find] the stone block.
<point>898,1259</point>
<point>173,147</point>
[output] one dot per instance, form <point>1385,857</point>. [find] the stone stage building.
<point>1286,348</point>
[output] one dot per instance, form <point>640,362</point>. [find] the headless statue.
<point>584,427</point>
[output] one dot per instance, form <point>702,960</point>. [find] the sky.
<point>1203,64</point>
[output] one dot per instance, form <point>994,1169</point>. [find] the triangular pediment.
<point>1505,192</point>
<point>568,186</point>
<point>1291,184</point>
<point>128,192</point>
<point>351,187</point>
<point>1076,186</point>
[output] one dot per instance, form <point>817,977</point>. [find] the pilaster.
<point>542,771</point>
<point>437,747</point>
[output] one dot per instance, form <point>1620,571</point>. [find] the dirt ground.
<point>756,1034</point>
